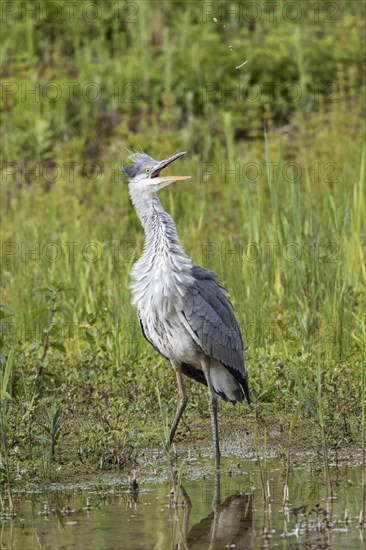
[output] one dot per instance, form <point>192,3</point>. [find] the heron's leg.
<point>181,405</point>
<point>212,404</point>
<point>217,509</point>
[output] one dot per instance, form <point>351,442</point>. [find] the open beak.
<point>155,175</point>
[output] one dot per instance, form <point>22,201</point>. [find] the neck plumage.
<point>163,272</point>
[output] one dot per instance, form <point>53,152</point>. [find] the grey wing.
<point>210,316</point>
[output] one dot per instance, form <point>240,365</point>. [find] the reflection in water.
<point>228,525</point>
<point>213,513</point>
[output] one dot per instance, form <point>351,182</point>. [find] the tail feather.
<point>225,384</point>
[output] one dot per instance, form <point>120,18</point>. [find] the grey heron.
<point>183,310</point>
<point>229,525</point>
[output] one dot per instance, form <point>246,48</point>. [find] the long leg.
<point>181,405</point>
<point>212,405</point>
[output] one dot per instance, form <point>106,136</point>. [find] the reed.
<point>5,403</point>
<point>363,431</point>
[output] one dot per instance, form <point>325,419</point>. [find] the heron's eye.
<point>147,170</point>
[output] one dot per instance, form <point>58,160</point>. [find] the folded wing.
<point>210,316</point>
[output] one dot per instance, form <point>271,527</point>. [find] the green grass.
<point>274,205</point>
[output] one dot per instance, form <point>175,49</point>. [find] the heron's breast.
<point>158,285</point>
<point>169,336</point>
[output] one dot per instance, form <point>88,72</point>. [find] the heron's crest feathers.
<point>139,161</point>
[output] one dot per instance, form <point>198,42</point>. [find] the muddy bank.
<point>194,461</point>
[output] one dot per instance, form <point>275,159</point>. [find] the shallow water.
<point>211,512</point>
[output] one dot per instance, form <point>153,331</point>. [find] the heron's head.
<point>143,175</point>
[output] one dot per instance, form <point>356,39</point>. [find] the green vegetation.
<point>274,205</point>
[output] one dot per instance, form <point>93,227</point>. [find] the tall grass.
<point>274,204</point>
<point>5,399</point>
<point>363,431</point>
<point>316,408</point>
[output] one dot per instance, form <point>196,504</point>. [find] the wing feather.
<point>210,315</point>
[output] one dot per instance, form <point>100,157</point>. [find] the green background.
<point>274,205</point>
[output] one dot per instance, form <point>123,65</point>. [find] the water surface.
<point>207,512</point>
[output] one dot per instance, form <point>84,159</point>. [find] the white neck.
<point>163,272</point>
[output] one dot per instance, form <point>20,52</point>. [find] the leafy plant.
<point>50,436</point>
<point>51,294</point>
